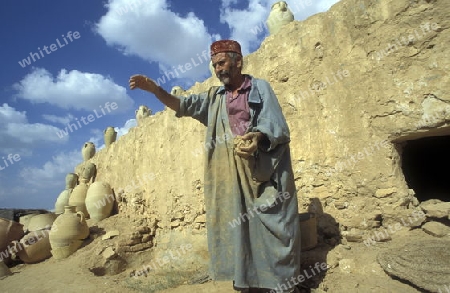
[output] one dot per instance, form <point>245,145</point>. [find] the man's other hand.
<point>251,140</point>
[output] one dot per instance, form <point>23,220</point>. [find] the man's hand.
<point>143,82</point>
<point>247,149</point>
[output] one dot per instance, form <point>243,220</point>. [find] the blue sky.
<point>62,61</point>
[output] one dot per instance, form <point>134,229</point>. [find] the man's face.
<point>224,68</point>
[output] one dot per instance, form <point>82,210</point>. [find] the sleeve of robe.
<point>195,106</point>
<point>270,120</point>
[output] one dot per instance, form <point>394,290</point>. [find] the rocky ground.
<point>108,266</point>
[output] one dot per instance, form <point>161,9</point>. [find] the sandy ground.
<point>353,268</point>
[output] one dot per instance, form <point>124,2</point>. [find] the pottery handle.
<point>81,214</point>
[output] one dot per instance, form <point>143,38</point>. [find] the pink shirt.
<point>237,107</point>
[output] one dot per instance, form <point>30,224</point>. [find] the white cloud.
<point>149,29</point>
<point>20,136</point>
<point>39,187</point>
<point>52,173</point>
<point>59,119</point>
<point>72,90</point>
<point>241,22</point>
<point>98,139</point>
<point>124,130</point>
<point>248,26</point>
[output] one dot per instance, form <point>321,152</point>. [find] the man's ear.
<point>239,62</point>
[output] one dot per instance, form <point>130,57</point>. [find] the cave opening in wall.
<point>426,166</point>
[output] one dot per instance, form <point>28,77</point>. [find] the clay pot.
<point>71,180</point>
<point>24,220</point>
<point>308,230</point>
<point>68,232</point>
<point>178,91</point>
<point>9,231</point>
<point>4,270</point>
<point>142,113</point>
<point>78,197</point>
<point>33,247</point>
<point>109,135</point>
<point>88,172</point>
<point>41,221</point>
<point>88,151</point>
<point>279,16</point>
<point>99,200</point>
<point>62,201</point>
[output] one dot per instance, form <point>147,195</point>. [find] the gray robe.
<point>251,204</point>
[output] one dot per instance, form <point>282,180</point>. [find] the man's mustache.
<point>223,73</point>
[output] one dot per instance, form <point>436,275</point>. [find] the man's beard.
<point>224,77</point>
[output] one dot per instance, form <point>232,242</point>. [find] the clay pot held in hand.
<point>88,151</point>
<point>68,232</point>
<point>78,198</point>
<point>109,135</point>
<point>99,200</point>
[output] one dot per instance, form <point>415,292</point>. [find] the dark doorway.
<point>425,164</point>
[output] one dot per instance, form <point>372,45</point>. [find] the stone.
<point>200,219</point>
<point>423,263</point>
<point>347,266</point>
<point>382,193</point>
<point>436,229</point>
<point>110,234</point>
<point>435,209</point>
<point>108,253</point>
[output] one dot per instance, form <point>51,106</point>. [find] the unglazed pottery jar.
<point>62,201</point>
<point>141,113</point>
<point>71,180</point>
<point>89,170</point>
<point>24,220</point>
<point>9,231</point>
<point>109,135</point>
<point>78,198</point>
<point>33,247</point>
<point>41,221</point>
<point>99,201</point>
<point>88,151</point>
<point>4,270</point>
<point>279,16</point>
<point>68,232</point>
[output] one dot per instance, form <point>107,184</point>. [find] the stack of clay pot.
<point>78,195</point>
<point>109,136</point>
<point>63,198</point>
<point>35,245</point>
<point>9,231</point>
<point>279,16</point>
<point>99,201</point>
<point>68,232</point>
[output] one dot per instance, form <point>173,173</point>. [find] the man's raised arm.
<point>147,84</point>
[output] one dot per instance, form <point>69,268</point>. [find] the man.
<point>250,199</point>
